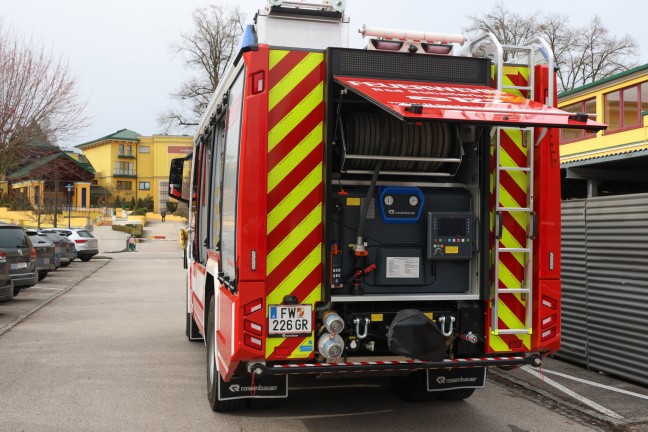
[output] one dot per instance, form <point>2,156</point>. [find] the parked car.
<point>71,252</point>
<point>21,255</point>
<point>45,253</point>
<point>86,244</point>
<point>63,256</point>
<point>6,286</point>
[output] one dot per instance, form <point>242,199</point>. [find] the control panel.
<point>450,236</point>
<point>401,205</point>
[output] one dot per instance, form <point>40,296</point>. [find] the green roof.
<point>603,80</point>
<point>27,169</point>
<point>120,135</point>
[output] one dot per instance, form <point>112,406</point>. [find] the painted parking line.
<point>595,384</point>
<point>582,399</point>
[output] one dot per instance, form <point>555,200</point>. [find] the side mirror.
<point>175,179</point>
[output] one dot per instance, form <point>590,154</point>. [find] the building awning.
<point>606,155</point>
<point>416,101</point>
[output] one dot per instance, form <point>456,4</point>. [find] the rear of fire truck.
<point>411,211</point>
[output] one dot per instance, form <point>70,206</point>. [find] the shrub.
<point>132,203</point>
<point>139,212</point>
<point>171,206</point>
<point>133,229</point>
<point>118,202</point>
<point>148,203</point>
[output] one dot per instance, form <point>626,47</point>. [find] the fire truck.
<point>393,210</point>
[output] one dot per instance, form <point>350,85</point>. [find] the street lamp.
<point>69,189</point>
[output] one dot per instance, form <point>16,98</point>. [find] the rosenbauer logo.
<point>235,388</point>
<point>444,380</point>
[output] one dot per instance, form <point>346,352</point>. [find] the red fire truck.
<point>390,210</point>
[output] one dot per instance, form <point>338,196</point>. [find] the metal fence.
<point>605,284</point>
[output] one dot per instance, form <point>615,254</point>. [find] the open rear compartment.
<point>407,216</point>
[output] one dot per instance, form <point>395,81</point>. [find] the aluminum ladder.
<point>525,290</point>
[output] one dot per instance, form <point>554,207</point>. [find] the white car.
<point>86,244</point>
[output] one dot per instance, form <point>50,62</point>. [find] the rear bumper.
<point>317,368</point>
<point>87,252</point>
<point>25,279</point>
<point>6,291</point>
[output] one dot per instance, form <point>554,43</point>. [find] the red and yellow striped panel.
<point>295,188</point>
<point>513,194</point>
<point>517,76</point>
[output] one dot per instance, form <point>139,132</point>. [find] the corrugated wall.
<point>605,295</point>
<point>573,341</point>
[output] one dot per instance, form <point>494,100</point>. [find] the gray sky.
<point>119,49</point>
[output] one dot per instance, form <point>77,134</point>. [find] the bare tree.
<point>38,98</point>
<point>583,54</point>
<point>206,50</point>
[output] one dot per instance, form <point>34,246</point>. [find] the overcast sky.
<point>119,49</point>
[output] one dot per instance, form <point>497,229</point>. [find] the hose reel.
<point>425,148</point>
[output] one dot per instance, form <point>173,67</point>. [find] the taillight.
<point>4,255</point>
<point>33,253</point>
<point>81,241</point>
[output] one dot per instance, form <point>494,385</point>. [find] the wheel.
<point>413,387</point>
<point>41,275</point>
<point>213,377</point>
<point>65,264</point>
<point>85,258</point>
<point>457,394</point>
<point>16,290</point>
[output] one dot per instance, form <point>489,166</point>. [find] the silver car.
<point>86,244</point>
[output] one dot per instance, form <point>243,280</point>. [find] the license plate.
<point>290,319</point>
<point>20,265</point>
<point>46,260</point>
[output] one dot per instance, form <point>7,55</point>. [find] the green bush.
<point>131,206</point>
<point>118,202</point>
<point>140,211</point>
<point>133,229</point>
<point>147,203</point>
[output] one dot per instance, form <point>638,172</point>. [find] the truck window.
<point>230,178</point>
<point>217,181</point>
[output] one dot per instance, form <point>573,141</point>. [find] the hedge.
<point>133,229</point>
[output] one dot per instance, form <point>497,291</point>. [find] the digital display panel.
<point>452,227</point>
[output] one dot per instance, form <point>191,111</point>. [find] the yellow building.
<point>614,161</point>
<point>130,165</point>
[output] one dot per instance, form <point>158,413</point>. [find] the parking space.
<point>607,398</point>
<point>29,300</point>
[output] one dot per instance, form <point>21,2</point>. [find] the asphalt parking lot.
<point>29,300</point>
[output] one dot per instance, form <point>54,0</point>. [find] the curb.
<point>49,300</point>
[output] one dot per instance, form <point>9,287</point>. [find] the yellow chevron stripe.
<point>294,117</point>
<point>297,195</point>
<point>292,240</point>
<point>293,78</point>
<point>512,321</point>
<point>507,278</point>
<point>497,344</point>
<point>312,298</point>
<point>507,201</point>
<point>296,155</point>
<point>297,276</point>
<point>272,343</point>
<point>276,56</point>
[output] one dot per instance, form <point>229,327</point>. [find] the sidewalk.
<point>605,397</point>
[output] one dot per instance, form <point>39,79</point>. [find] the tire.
<point>16,290</point>
<point>66,264</point>
<point>413,387</point>
<point>457,394</point>
<point>85,258</point>
<point>213,376</point>
<point>41,275</point>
